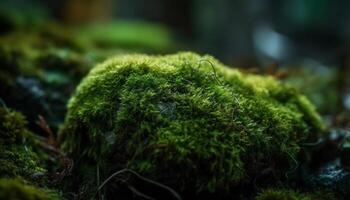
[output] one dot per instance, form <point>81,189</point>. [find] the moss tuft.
<point>12,126</point>
<point>185,120</point>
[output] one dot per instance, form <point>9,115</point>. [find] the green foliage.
<point>13,189</point>
<point>10,66</point>
<point>12,19</point>
<point>319,84</point>
<point>128,35</point>
<point>185,120</point>
<point>285,194</point>
<point>44,68</point>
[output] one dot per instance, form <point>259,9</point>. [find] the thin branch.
<point>312,144</point>
<point>136,192</point>
<point>173,192</point>
<point>2,102</point>
<point>42,123</point>
<point>214,70</point>
<point>296,165</point>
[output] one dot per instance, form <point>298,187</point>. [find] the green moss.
<point>12,126</point>
<point>185,120</point>
<point>21,160</point>
<point>17,159</point>
<point>13,189</point>
<point>285,194</point>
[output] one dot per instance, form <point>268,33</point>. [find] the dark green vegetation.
<point>284,194</point>
<point>17,158</point>
<point>43,69</point>
<point>318,84</point>
<point>186,121</point>
<point>125,36</point>
<point>45,63</point>
<point>22,161</point>
<point>13,189</point>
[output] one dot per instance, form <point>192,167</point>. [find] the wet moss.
<point>184,120</point>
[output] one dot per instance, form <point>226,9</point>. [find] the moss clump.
<point>17,158</point>
<point>12,126</point>
<point>285,194</point>
<point>186,121</point>
<point>12,189</point>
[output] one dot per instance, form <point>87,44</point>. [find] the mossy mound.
<point>186,121</point>
<point>287,194</point>
<point>13,189</point>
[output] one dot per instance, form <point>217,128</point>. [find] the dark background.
<point>311,35</point>
<point>236,31</point>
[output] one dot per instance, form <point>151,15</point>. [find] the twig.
<point>42,123</point>
<point>173,192</point>
<point>296,165</point>
<point>98,178</point>
<point>135,191</point>
<point>212,66</point>
<point>312,144</point>
<point>2,102</point>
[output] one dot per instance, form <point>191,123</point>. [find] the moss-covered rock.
<point>186,121</point>
<point>15,189</point>
<point>287,194</point>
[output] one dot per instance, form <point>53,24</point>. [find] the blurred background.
<point>301,42</point>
